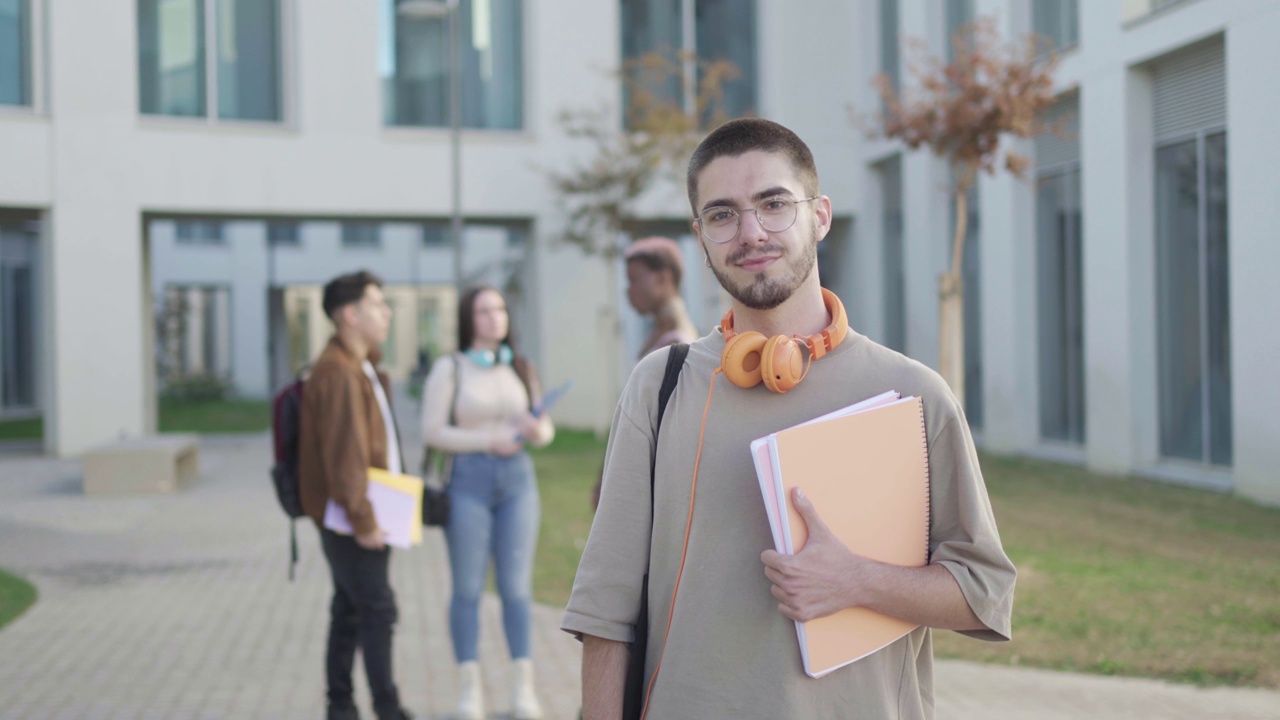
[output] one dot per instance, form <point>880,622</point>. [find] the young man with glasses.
<point>728,649</point>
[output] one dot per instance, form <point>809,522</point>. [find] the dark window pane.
<point>971,268</point>
<point>416,71</point>
<point>652,26</point>
<point>360,233</point>
<point>15,52</point>
<point>249,59</point>
<point>726,30</point>
<point>198,232</point>
<point>171,57</point>
<point>889,51</point>
<point>283,232</point>
<point>1217,297</point>
<point>1178,301</point>
<point>1060,307</point>
<point>895,281</point>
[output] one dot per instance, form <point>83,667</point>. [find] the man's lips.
<point>757,263</point>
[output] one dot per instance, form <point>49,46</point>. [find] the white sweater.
<point>489,399</point>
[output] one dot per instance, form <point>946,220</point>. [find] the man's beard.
<point>763,293</point>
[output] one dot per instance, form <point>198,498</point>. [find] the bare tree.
<point>961,111</point>
<point>668,111</point>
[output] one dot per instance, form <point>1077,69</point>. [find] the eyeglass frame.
<point>756,210</point>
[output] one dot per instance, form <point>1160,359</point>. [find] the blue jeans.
<point>494,511</point>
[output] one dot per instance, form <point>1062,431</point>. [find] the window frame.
<point>285,67</point>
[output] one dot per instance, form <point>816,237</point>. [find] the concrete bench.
<point>158,463</point>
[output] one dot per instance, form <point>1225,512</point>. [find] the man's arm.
<point>604,676</point>
<point>826,577</point>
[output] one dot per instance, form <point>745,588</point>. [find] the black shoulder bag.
<point>633,696</point>
<point>435,474</point>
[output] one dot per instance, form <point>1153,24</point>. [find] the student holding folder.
<point>347,427</point>
<point>722,603</point>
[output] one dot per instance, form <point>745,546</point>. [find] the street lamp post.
<point>425,9</point>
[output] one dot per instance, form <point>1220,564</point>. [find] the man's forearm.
<point>604,677</point>
<point>927,595</point>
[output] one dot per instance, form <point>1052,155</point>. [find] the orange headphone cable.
<point>693,494</point>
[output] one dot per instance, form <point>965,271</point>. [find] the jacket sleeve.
<point>344,445</point>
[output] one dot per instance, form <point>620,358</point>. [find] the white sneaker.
<point>470,692</point>
<point>524,699</point>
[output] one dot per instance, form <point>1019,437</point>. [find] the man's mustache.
<point>743,253</point>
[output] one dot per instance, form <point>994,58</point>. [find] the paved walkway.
<point>179,607</point>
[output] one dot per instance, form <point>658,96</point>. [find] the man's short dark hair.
<point>738,137</point>
<point>346,289</point>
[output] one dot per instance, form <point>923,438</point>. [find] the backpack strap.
<point>675,363</point>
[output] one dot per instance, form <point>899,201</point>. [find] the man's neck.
<point>803,314</point>
<point>354,344</point>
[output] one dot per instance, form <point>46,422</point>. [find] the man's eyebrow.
<point>771,192</point>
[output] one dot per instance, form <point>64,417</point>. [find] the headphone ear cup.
<point>781,363</point>
<point>741,359</point>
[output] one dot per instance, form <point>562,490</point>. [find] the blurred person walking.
<point>654,272</point>
<point>477,406</point>
<point>345,427</point>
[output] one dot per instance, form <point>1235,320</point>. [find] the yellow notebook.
<point>867,473</point>
<point>397,504</point>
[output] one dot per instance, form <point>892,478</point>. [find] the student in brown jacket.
<point>346,427</point>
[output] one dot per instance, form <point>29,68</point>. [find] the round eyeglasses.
<point>720,224</point>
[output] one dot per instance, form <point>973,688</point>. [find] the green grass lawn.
<point>1115,576</point>
<point>16,595</point>
<point>22,429</point>
<point>214,416</point>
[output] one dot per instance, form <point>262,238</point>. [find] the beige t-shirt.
<point>731,654</point>
<point>488,399</point>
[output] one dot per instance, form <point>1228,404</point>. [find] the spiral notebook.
<point>866,470</point>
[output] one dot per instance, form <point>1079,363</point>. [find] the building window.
<point>1058,21</point>
<point>895,267</point>
<point>195,333</point>
<point>414,64</point>
<point>971,271</point>
<point>959,13</point>
<point>283,232</point>
<point>436,234</point>
<point>210,58</point>
<point>19,317</point>
<point>890,52</point>
<point>1060,273</point>
<point>722,30</point>
<point>198,232</point>
<point>1192,304</point>
<point>15,52</point>
<point>1193,319</point>
<point>360,234</point>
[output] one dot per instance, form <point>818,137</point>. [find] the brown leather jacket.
<point>341,435</point>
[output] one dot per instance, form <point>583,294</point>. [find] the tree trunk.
<point>951,302</point>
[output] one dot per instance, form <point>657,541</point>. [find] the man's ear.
<point>822,208</point>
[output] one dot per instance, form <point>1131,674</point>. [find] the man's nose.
<point>749,227</point>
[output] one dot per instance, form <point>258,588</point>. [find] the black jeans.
<point>362,614</point>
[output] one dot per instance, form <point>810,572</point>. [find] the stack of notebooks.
<point>397,505</point>
<point>865,468</point>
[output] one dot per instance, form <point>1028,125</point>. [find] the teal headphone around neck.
<point>488,358</point>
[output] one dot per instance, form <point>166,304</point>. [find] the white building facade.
<point>226,157</point>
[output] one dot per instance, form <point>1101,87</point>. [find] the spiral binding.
<point>928,480</point>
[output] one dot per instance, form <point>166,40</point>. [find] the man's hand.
<point>821,579</point>
<point>374,540</point>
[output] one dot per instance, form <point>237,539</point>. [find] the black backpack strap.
<point>633,692</point>
<point>675,363</point>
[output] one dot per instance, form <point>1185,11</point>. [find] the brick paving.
<point>178,607</point>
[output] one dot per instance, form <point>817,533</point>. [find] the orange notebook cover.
<point>868,476</point>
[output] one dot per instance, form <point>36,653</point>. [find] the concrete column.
<point>1253,216</point>
<point>249,310</point>
<point>95,314</point>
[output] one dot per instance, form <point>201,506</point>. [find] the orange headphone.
<point>750,358</point>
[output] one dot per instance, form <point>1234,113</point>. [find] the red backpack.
<point>286,414</point>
